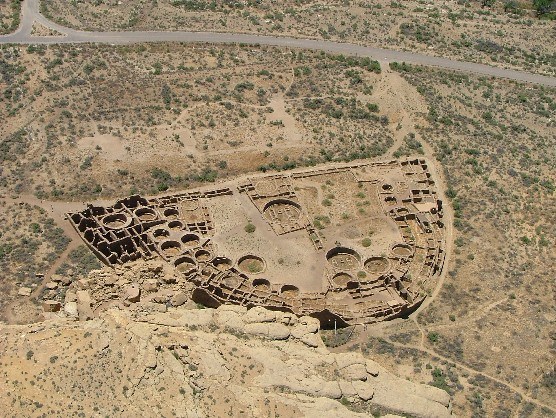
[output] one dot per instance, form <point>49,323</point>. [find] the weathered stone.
<point>312,324</point>
<point>347,359</point>
<point>260,314</point>
<point>256,328</point>
<point>51,285</point>
<point>51,306</point>
<point>311,340</point>
<point>331,390</point>
<point>354,372</point>
<point>347,388</point>
<point>71,309</point>
<point>229,319</point>
<point>364,390</point>
<point>132,294</point>
<point>160,298</point>
<point>24,291</point>
<point>372,368</point>
<point>71,296</point>
<point>66,281</point>
<point>83,297</point>
<point>178,299</point>
<point>277,331</point>
<point>286,318</point>
<point>84,305</point>
<point>150,285</point>
<point>56,278</point>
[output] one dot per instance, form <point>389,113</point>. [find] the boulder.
<point>311,340</point>
<point>354,372</point>
<point>56,278</point>
<point>363,389</point>
<point>24,291</point>
<point>178,299</point>
<point>331,390</point>
<point>66,281</point>
<point>347,388</point>
<point>286,318</point>
<point>150,285</point>
<point>260,314</point>
<point>70,308</point>
<point>312,324</point>
<point>51,306</point>
<point>372,368</point>
<point>347,359</point>
<point>51,285</point>
<point>84,305</point>
<point>277,331</point>
<point>132,293</point>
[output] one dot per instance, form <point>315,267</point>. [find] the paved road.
<point>30,13</point>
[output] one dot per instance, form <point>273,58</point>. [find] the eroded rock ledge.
<point>197,362</point>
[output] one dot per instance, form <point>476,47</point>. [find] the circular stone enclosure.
<point>175,225</point>
<point>341,279</point>
<point>170,248</point>
<point>171,213</point>
<point>146,214</point>
<point>190,240</point>
<point>116,221</point>
<point>222,263</point>
<point>251,264</point>
<point>343,258</point>
<point>282,210</point>
<point>185,264</point>
<point>377,265</point>
<point>261,284</point>
<point>402,250</point>
<point>289,291</point>
<point>161,233</point>
<point>202,255</point>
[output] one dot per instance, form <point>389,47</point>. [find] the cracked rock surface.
<point>195,363</point>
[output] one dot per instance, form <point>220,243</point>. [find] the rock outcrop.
<point>153,360</point>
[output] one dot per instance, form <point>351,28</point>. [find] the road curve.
<point>31,13</point>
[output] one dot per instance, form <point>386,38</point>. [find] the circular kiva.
<point>232,282</point>
<point>202,255</point>
<point>175,225</point>
<point>341,279</point>
<point>222,263</point>
<point>170,248</point>
<point>146,214</point>
<point>171,213</point>
<point>185,264</point>
<point>160,233</point>
<point>265,188</point>
<point>261,284</point>
<point>190,240</point>
<point>343,258</point>
<point>377,265</point>
<point>289,291</point>
<point>251,264</point>
<point>402,250</point>
<point>282,210</point>
<point>116,221</point>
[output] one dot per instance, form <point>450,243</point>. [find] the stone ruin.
<point>348,283</point>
